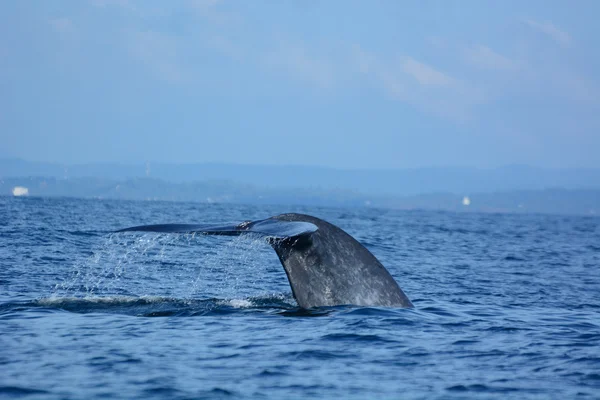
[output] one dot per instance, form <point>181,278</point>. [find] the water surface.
<point>506,306</point>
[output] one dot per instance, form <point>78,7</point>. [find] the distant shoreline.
<point>463,181</point>
<point>557,201</point>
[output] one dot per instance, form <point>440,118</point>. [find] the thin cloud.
<point>211,11</point>
<point>548,28</point>
<point>425,74</point>
<point>486,58</point>
<point>297,61</point>
<point>420,85</point>
<point>160,53</point>
<point>113,3</point>
<point>203,4</point>
<point>575,87</point>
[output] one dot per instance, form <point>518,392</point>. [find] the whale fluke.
<point>325,266</point>
<point>265,227</point>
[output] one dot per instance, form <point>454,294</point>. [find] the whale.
<point>325,266</point>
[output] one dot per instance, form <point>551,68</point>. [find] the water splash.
<point>242,266</point>
<point>157,306</point>
<point>178,266</point>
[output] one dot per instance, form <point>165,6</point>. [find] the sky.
<point>344,84</point>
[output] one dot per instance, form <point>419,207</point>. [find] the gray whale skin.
<point>324,265</point>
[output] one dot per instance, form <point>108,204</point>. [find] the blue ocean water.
<point>506,306</point>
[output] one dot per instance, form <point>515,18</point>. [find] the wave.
<point>149,306</point>
<point>160,306</point>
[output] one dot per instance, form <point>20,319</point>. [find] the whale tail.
<point>325,266</point>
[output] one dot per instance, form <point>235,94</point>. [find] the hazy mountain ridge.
<point>554,201</point>
<point>403,182</point>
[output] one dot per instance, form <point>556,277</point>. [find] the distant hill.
<point>554,201</point>
<point>155,189</point>
<point>403,182</point>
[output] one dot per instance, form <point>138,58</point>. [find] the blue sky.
<point>345,84</point>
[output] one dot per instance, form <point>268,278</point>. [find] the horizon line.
<point>348,169</point>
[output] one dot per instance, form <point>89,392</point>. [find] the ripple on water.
<point>506,306</point>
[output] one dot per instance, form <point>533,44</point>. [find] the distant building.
<point>466,201</point>
<point>20,191</point>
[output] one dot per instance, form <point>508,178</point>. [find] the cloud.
<point>211,11</point>
<point>113,3</point>
<point>297,61</point>
<point>420,85</point>
<point>160,53</point>
<point>485,58</point>
<point>425,74</point>
<point>575,87</point>
<point>560,37</point>
<point>203,4</point>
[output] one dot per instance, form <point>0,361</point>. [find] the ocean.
<point>506,306</point>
